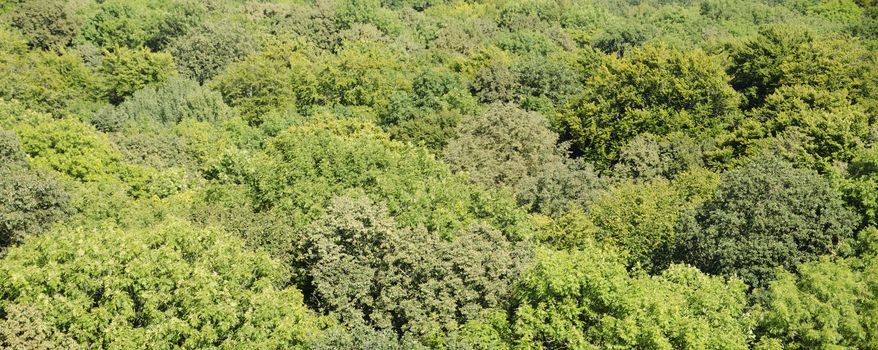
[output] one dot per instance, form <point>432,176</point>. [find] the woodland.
<point>439,174</point>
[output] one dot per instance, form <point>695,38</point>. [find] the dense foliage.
<point>438,174</point>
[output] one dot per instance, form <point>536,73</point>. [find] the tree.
<point>654,89</point>
<point>861,187</point>
<point>648,156</point>
<point>791,55</point>
<point>165,103</point>
<point>24,327</point>
<point>829,303</point>
<point>31,201</point>
<point>586,299</point>
<point>366,271</point>
<point>816,128</point>
<point>430,113</point>
<point>306,165</point>
<point>67,145</point>
<point>764,215</point>
<point>551,79</point>
<point>125,71</point>
<point>171,285</point>
<point>46,23</point>
<point>207,51</point>
<point>364,74</point>
<point>48,81</point>
<point>117,23</point>
<point>640,219</point>
<point>273,80</point>
<point>511,148</point>
<point>495,83</point>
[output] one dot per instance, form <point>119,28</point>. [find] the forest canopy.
<point>439,174</point>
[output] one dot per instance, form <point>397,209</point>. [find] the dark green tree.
<point>366,271</point>
<point>793,55</point>
<point>47,24</point>
<point>31,201</point>
<point>207,51</point>
<point>767,214</point>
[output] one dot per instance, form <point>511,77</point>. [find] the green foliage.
<point>116,23</point>
<point>10,149</point>
<point>815,128</point>
<point>401,161</point>
<point>641,218</point>
<point>648,156</point>
<point>46,81</point>
<point>65,145</point>
<point>861,188</point>
<point>171,20</point>
<point>366,271</point>
<point>141,288</point>
<point>46,23</point>
<point>829,304</point>
<point>307,165</point>
<point>790,55</point>
<point>363,74</point>
<point>31,201</point>
<point>267,82</point>
<point>431,112</point>
<point>24,327</point>
<point>511,148</point>
<point>495,82</point>
<point>207,51</point>
<point>166,103</point>
<point>125,71</point>
<point>159,150</point>
<point>764,215</point>
<point>586,299</point>
<point>556,81</point>
<point>650,90</point>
